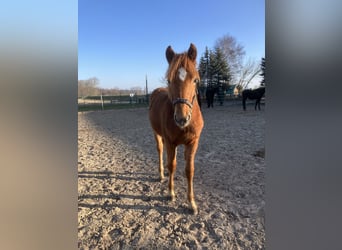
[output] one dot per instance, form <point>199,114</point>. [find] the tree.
<point>263,68</point>
<point>88,87</point>
<point>214,72</point>
<point>213,69</point>
<point>233,54</point>
<point>137,90</point>
<point>248,71</point>
<point>220,68</point>
<point>203,67</point>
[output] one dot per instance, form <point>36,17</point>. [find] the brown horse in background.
<point>176,118</point>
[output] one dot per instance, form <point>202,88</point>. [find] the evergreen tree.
<point>221,74</point>
<point>214,72</point>
<point>211,69</point>
<point>203,66</point>
<point>214,69</point>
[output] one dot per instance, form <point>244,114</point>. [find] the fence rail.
<point>126,101</point>
<point>111,102</point>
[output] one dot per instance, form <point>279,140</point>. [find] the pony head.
<point>183,78</point>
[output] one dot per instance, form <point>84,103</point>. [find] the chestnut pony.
<point>176,118</point>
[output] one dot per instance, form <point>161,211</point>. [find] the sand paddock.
<point>123,205</point>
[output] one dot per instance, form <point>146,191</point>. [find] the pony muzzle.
<point>183,111</point>
<point>182,121</point>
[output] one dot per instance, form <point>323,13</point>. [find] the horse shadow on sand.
<point>145,199</point>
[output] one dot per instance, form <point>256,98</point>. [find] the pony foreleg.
<point>190,151</point>
<point>159,141</point>
<point>171,165</point>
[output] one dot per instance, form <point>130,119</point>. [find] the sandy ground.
<point>123,205</point>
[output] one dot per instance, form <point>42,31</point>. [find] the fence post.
<point>102,101</point>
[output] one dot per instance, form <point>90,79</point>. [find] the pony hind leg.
<point>160,144</point>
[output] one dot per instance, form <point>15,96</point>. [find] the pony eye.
<point>196,81</point>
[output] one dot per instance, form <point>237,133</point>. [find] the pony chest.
<point>181,136</point>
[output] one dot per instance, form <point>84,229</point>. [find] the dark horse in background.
<point>255,94</point>
<point>209,95</point>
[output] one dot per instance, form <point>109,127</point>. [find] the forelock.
<point>180,61</point>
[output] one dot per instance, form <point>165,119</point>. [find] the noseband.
<point>184,101</point>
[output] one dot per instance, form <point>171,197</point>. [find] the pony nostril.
<point>182,121</point>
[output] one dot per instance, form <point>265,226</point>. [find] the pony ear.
<point>192,52</point>
<point>169,54</point>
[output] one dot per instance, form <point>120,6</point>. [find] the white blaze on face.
<point>182,74</point>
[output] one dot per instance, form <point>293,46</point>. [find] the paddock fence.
<point>111,102</point>
<point>126,101</point>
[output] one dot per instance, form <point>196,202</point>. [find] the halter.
<point>185,101</point>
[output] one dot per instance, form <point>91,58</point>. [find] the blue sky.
<point>120,42</point>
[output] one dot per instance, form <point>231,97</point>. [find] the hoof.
<point>161,175</point>
<point>194,211</point>
<point>194,208</point>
